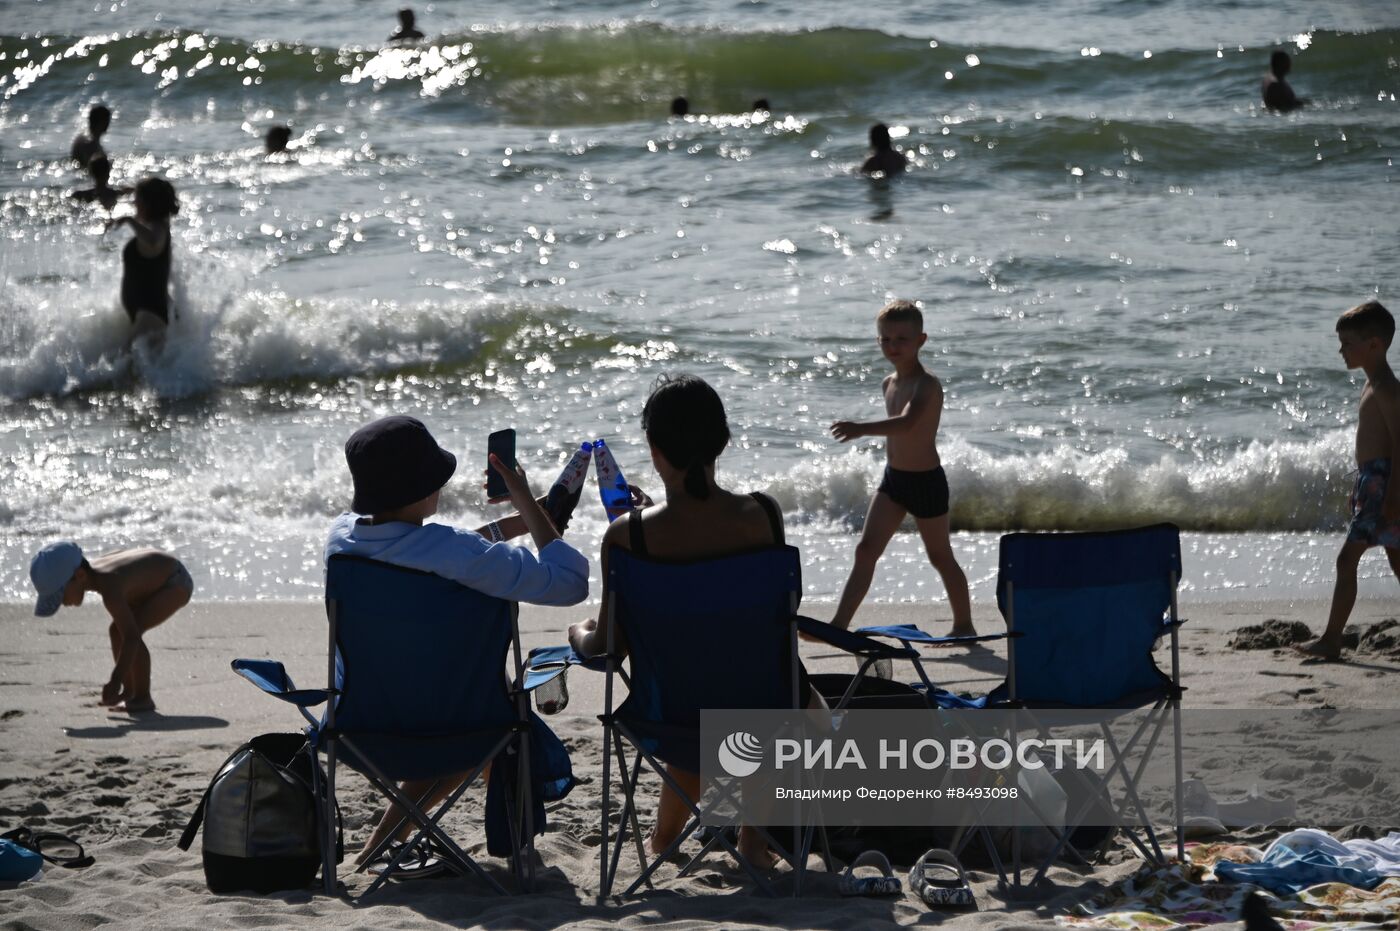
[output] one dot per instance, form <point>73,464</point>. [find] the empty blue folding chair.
<point>1086,610</point>
<point>422,692</point>
<point>711,634</point>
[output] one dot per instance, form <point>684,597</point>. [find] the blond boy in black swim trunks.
<point>140,589</point>
<point>1365,333</point>
<point>913,482</point>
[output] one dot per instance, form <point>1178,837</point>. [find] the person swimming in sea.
<point>87,146</point>
<point>885,160</point>
<point>408,32</point>
<point>680,106</point>
<point>101,191</point>
<point>1277,94</point>
<point>277,138</point>
<point>146,257</point>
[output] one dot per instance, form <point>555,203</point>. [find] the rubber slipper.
<point>885,884</point>
<point>59,849</point>
<point>418,862</point>
<point>938,878</point>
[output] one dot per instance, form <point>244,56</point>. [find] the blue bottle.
<point>617,498</point>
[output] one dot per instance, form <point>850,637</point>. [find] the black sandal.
<point>420,861</point>
<point>58,849</point>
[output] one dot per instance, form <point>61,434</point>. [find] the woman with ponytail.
<point>686,428</point>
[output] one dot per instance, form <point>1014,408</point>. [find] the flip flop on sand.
<point>58,849</point>
<point>884,884</point>
<point>418,862</point>
<point>939,880</point>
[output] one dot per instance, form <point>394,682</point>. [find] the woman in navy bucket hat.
<point>395,461</point>
<point>399,470</point>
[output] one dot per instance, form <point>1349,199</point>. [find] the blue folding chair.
<point>1086,611</point>
<point>421,692</point>
<point>711,634</point>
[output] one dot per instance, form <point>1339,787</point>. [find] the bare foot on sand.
<point>112,694</point>
<point>1319,649</point>
<point>136,706</point>
<point>756,852</point>
<point>655,848</point>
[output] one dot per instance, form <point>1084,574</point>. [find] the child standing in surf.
<point>914,482</point>
<point>146,257</point>
<point>1365,333</point>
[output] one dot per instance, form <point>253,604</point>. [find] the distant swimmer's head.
<point>880,137</point>
<point>58,572</point>
<point>406,27</point>
<point>277,138</point>
<point>99,120</point>
<point>1365,333</point>
<point>685,423</point>
<point>155,199</point>
<point>761,105</point>
<point>396,464</point>
<point>1280,64</point>
<point>900,325</point>
<point>101,170</point>
<point>680,106</point>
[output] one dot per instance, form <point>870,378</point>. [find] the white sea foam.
<point>69,337</point>
<point>1281,485</point>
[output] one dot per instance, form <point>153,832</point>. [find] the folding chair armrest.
<point>545,664</point>
<point>271,676</point>
<point>908,633</point>
<point>851,642</point>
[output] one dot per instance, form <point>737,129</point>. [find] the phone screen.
<point>502,445</point>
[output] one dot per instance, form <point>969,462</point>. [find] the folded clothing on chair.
<point>551,779</point>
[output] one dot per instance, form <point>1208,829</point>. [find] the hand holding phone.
<point>500,444</point>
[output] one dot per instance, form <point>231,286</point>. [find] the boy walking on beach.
<point>1365,332</point>
<point>914,482</point>
<point>140,589</point>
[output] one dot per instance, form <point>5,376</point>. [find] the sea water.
<point>1130,273</point>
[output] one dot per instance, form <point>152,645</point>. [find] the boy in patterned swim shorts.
<point>140,589</point>
<point>913,482</point>
<point>1365,332</point>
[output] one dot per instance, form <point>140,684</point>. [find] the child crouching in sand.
<point>140,589</point>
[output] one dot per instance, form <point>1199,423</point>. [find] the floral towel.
<point>1186,896</point>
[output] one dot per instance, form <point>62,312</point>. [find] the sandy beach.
<point>125,786</point>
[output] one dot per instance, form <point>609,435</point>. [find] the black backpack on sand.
<point>262,829</point>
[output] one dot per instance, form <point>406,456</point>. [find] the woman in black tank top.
<point>685,424</point>
<point>146,257</point>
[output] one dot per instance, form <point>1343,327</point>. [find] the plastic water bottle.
<point>882,668</point>
<point>563,495</point>
<point>617,497</point>
<point>553,696</point>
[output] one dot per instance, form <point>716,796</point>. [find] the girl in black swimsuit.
<point>146,258</point>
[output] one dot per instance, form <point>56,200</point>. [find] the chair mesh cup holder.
<point>553,696</point>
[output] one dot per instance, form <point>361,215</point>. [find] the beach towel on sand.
<point>1308,857</point>
<point>1176,897</point>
